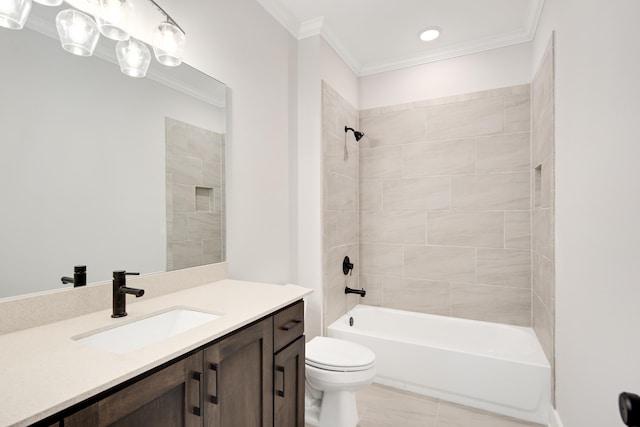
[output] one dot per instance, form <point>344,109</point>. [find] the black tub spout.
<point>361,292</point>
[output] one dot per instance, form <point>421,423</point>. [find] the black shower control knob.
<point>347,266</point>
<point>630,409</point>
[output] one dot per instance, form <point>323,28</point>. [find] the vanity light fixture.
<point>430,34</point>
<point>79,33</point>
<point>134,57</point>
<point>49,2</point>
<point>168,40</point>
<point>113,17</point>
<point>13,13</point>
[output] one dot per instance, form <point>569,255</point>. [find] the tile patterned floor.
<point>381,406</point>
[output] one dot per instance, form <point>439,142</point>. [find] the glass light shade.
<point>77,31</point>
<point>134,57</point>
<point>168,44</point>
<point>49,2</point>
<point>14,13</point>
<point>114,18</point>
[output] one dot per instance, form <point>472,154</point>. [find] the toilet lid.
<point>338,355</point>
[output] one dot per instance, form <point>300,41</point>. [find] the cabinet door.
<point>239,378</point>
<point>288,387</point>
<point>171,397</point>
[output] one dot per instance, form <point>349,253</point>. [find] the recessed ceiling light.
<point>430,33</point>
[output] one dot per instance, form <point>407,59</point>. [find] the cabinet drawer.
<point>288,325</point>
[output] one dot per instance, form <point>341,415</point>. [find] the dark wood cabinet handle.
<point>215,397</point>
<point>281,392</point>
<point>197,376</point>
<point>290,324</point>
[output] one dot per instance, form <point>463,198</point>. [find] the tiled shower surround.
<point>543,211</point>
<point>341,204</point>
<point>445,206</point>
<point>195,195</point>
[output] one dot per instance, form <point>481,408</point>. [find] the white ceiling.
<point>373,36</point>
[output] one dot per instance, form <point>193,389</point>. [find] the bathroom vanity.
<point>246,367</point>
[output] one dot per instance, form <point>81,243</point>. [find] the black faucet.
<point>120,292</point>
<point>79,276</point>
<point>361,292</point>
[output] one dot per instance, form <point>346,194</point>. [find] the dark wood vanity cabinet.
<point>251,378</point>
<point>288,362</point>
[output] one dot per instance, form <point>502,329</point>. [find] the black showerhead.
<point>356,133</point>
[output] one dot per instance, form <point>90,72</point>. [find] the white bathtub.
<point>491,366</point>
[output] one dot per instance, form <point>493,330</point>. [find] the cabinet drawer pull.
<point>291,324</point>
<point>197,376</point>
<point>280,392</point>
<point>214,397</point>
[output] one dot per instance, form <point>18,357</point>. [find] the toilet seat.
<point>332,354</point>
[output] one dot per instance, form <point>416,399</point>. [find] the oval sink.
<point>150,330</point>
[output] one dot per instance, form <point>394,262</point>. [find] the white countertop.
<point>43,370</point>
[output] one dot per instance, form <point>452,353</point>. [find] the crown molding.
<point>310,28</point>
<point>318,26</point>
<point>481,45</point>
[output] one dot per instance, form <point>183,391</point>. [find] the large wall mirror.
<point>101,169</point>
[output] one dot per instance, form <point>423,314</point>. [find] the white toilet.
<point>335,369</point>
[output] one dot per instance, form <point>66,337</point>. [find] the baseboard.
<point>554,419</point>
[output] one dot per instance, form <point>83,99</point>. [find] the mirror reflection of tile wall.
<point>195,196</point>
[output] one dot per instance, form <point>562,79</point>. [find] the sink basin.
<point>150,330</point>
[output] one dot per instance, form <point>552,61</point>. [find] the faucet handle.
<point>126,273</point>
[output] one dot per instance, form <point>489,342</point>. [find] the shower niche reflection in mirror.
<point>195,195</point>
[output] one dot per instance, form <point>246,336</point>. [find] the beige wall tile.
<point>478,229</point>
<point>371,195</point>
<point>187,254</point>
<point>543,281</point>
<point>384,162</point>
<point>393,227</point>
<point>517,229</point>
<point>439,158</point>
<point>546,184</point>
<point>491,303</point>
<point>543,127</point>
<point>415,194</point>
<point>517,113</point>
<point>439,263</point>
<point>373,286</point>
<point>340,157</point>
<point>543,325</point>
<point>185,170</point>
<point>542,239</point>
<point>503,153</point>
<point>340,228</point>
<point>520,90</point>
<point>203,225</point>
<point>542,90</point>
<point>179,230</point>
<point>381,259</point>
<point>508,191</point>
<point>504,267</point>
<point>424,296</point>
<point>183,198</point>
<point>465,119</point>
<point>340,191</point>
<point>211,175</point>
<point>398,127</point>
<point>211,251</point>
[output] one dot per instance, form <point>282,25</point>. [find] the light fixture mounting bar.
<point>169,18</point>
